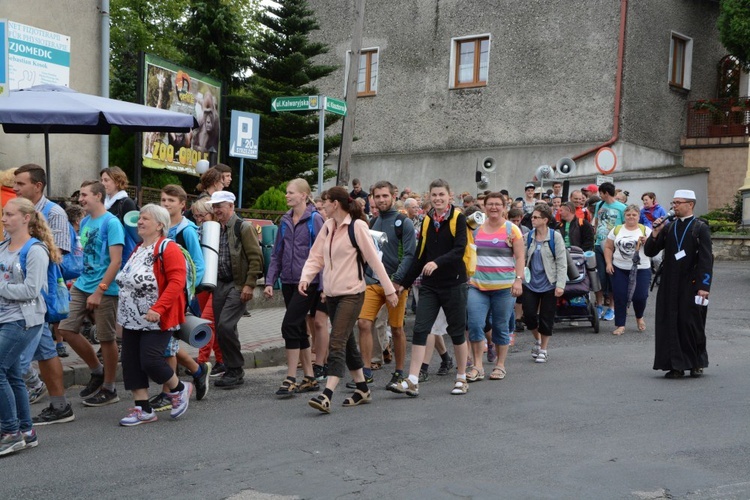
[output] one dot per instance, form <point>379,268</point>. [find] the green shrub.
<point>271,199</point>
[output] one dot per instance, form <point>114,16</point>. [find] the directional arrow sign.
<point>296,103</point>
<point>335,106</point>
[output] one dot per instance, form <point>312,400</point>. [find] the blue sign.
<point>244,135</point>
<point>4,88</point>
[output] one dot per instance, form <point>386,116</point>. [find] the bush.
<point>727,218</point>
<point>271,199</point>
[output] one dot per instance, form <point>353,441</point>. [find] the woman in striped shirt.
<point>495,285</point>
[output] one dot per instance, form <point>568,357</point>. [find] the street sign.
<point>335,106</point>
<point>296,103</point>
<point>243,136</point>
<point>605,161</point>
<point>601,179</point>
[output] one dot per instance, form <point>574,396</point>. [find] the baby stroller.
<point>578,303</point>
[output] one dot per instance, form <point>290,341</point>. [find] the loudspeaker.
<point>489,164</point>
<point>565,166</point>
<point>543,172</point>
<point>482,180</point>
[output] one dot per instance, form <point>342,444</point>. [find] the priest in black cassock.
<point>682,300</point>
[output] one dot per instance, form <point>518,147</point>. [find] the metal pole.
<point>46,162</point>
<point>321,141</point>
<point>104,160</point>
<point>242,177</point>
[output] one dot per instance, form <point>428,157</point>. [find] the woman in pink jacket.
<point>341,250</point>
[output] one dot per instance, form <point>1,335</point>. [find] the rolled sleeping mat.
<point>195,331</point>
<point>596,285</point>
<point>590,260</point>
<point>210,235</point>
<point>130,221</point>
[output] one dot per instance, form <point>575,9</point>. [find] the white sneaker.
<point>542,357</point>
<point>535,350</point>
<point>138,417</point>
<point>180,400</point>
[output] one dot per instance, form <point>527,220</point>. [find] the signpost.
<point>310,103</point>
<point>243,140</point>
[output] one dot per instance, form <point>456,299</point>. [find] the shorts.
<point>172,347</point>
<point>46,348</point>
<point>374,300</point>
<point>104,316</point>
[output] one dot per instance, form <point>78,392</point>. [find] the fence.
<point>718,117</point>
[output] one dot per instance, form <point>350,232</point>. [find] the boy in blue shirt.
<point>607,214</point>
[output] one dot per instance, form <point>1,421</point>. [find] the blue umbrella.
<point>52,109</point>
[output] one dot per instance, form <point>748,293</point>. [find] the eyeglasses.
<point>537,217</point>
<point>488,205</point>
<point>679,202</point>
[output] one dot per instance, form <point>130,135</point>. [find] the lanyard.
<point>679,242</point>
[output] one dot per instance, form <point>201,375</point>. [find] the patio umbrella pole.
<point>46,161</point>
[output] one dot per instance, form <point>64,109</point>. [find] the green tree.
<point>283,66</point>
<point>734,29</point>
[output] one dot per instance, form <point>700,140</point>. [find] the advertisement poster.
<point>37,56</point>
<point>176,88</point>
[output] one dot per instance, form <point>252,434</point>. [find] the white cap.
<point>221,197</point>
<point>684,193</point>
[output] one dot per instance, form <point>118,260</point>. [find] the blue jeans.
<point>620,291</point>
<point>500,303</point>
<point>15,413</point>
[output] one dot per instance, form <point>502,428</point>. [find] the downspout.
<point>104,160</point>
<point>618,85</point>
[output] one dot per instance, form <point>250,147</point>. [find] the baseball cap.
<point>221,197</point>
<point>529,185</point>
<point>591,188</point>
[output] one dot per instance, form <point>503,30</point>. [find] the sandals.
<point>387,355</point>
<point>460,387</point>
<point>287,389</point>
<point>474,374</point>
<point>358,398</point>
<point>498,373</point>
<point>619,330</point>
<point>321,402</point>
<point>309,384</point>
<point>641,324</point>
<point>376,366</point>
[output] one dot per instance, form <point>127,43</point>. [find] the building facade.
<point>73,158</point>
<point>445,84</point>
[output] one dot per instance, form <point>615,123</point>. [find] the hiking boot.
<point>396,378</point>
<point>405,386</point>
<point>353,385</point>
<point>445,366</point>
<point>37,393</point>
<point>102,398</point>
<point>11,443</point>
<point>232,378</point>
<point>138,417</point>
<point>218,370</point>
<point>160,402</point>
<point>95,383</point>
<point>180,400</point>
<point>201,383</point>
<point>51,416</point>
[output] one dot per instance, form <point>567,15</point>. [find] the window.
<point>367,76</point>
<point>680,61</point>
<point>470,61</point>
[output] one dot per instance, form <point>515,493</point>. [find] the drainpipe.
<point>618,85</point>
<point>104,160</point>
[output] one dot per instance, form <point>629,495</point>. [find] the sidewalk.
<point>260,336</point>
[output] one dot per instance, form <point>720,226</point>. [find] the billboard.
<point>37,56</point>
<point>169,86</point>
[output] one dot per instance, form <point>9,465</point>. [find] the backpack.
<point>529,237</point>
<point>640,226</point>
<point>191,301</point>
<point>129,243</point>
<point>470,252</point>
<point>238,237</point>
<point>310,228</point>
<point>57,295</point>
<point>72,262</point>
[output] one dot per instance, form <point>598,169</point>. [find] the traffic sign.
<point>296,103</point>
<point>601,179</point>
<point>605,161</point>
<point>335,106</point>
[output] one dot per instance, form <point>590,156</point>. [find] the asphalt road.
<point>594,422</point>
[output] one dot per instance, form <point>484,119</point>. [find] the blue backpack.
<point>129,245</point>
<point>57,295</point>
<point>72,262</point>
<point>310,228</point>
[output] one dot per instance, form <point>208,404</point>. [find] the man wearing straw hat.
<point>682,301</point>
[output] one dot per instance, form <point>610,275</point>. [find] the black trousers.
<point>143,358</point>
<point>293,326</point>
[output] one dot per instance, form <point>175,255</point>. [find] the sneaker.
<point>95,383</point>
<point>62,351</point>
<point>138,417</point>
<point>51,416</point>
<point>30,439</point>
<point>542,358</point>
<point>404,387</point>
<point>232,378</point>
<point>160,402</point>
<point>609,315</point>
<point>353,385</point>
<point>320,373</point>
<point>181,400</point>
<point>201,383</point>
<point>218,370</point>
<point>102,398</point>
<point>396,378</point>
<point>491,353</point>
<point>445,366</point>
<point>423,376</point>
<point>600,311</point>
<point>460,387</point>
<point>37,393</point>
<point>11,443</point>
<point>308,385</point>
<point>535,350</point>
